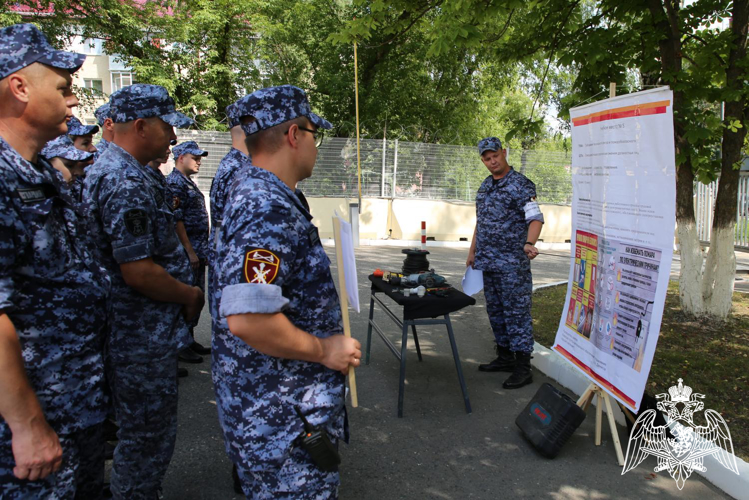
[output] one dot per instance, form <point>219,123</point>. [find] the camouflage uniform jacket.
<point>189,204</point>
<point>270,260</point>
<point>503,211</point>
<point>132,219</point>
<point>53,291</point>
<point>101,146</point>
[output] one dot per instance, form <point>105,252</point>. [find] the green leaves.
<point>733,125</point>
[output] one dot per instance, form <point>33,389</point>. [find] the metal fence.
<point>704,206</point>
<point>398,169</point>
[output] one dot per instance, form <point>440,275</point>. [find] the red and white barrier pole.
<point>423,235</point>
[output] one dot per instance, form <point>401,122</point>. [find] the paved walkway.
<point>437,450</point>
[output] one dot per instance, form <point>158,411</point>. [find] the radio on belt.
<point>317,443</point>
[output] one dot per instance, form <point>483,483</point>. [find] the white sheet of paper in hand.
<point>349,264</point>
<point>473,281</point>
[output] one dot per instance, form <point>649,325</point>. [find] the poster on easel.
<point>623,220</point>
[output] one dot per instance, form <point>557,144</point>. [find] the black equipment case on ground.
<point>549,420</point>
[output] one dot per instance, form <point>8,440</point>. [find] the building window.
<point>94,84</point>
<point>121,79</point>
<point>92,47</point>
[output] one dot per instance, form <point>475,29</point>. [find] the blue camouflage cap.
<point>102,113</point>
<point>75,127</point>
<point>237,110</point>
<point>145,101</point>
<point>188,148</point>
<point>23,44</point>
<point>489,144</point>
<point>62,147</point>
<point>274,105</point>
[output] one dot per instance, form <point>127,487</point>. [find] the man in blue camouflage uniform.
<point>508,223</point>
<point>107,129</point>
<point>231,167</point>
<point>52,292</point>
<point>192,225</point>
<point>82,135</point>
<point>152,296</point>
<point>83,139</point>
<point>69,161</point>
<point>279,343</point>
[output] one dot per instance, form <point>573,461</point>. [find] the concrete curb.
<point>437,244</point>
<point>556,367</point>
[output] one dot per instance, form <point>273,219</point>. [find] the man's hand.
<point>530,250</point>
<point>471,259</point>
<point>36,450</point>
<point>194,260</point>
<point>193,308</point>
<point>340,352</point>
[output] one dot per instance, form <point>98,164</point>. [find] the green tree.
<point>604,41</point>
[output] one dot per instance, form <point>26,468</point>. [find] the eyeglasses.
<point>316,134</point>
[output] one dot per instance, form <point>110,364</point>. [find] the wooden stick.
<point>630,416</point>
<point>599,415</point>
<point>612,426</point>
<point>344,305</point>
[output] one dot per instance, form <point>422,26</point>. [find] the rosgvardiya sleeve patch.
<point>136,221</point>
<point>261,266</point>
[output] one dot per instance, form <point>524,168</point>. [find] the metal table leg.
<point>369,329</point>
<point>457,363</point>
<point>416,341</point>
<point>402,383</point>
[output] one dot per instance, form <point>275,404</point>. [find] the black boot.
<point>522,374</point>
<point>187,355</point>
<point>505,361</point>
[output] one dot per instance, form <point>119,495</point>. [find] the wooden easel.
<point>344,305</point>
<point>584,402</point>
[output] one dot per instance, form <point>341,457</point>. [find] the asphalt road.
<point>436,450</point>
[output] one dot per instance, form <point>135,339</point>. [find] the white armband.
<point>531,210</point>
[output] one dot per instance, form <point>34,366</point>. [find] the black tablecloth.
<point>428,306</point>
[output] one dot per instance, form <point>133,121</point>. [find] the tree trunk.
<point>720,267</point>
<point>690,275</point>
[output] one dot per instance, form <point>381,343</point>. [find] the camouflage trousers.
<point>198,279</point>
<point>145,402</point>
<point>298,479</point>
<point>508,303</point>
<point>80,476</point>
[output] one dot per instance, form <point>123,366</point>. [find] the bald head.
<point>35,104</point>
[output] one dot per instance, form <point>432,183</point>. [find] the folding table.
<point>416,311</point>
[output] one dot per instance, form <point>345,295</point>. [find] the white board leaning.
<point>623,219</point>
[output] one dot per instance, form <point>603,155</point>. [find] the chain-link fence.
<point>398,169</point>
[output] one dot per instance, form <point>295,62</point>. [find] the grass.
<point>712,358</point>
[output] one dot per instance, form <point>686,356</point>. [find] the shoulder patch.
<point>136,221</point>
<point>175,202</point>
<point>261,266</point>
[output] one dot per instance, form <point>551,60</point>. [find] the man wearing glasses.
<point>278,347</point>
<point>192,225</point>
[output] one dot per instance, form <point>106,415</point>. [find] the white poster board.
<point>349,263</point>
<point>623,219</point>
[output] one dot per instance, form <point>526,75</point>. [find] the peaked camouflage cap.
<point>102,113</point>
<point>75,127</point>
<point>141,100</point>
<point>188,148</point>
<point>274,105</point>
<point>62,147</point>
<point>489,144</point>
<point>23,44</point>
<point>236,110</point>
